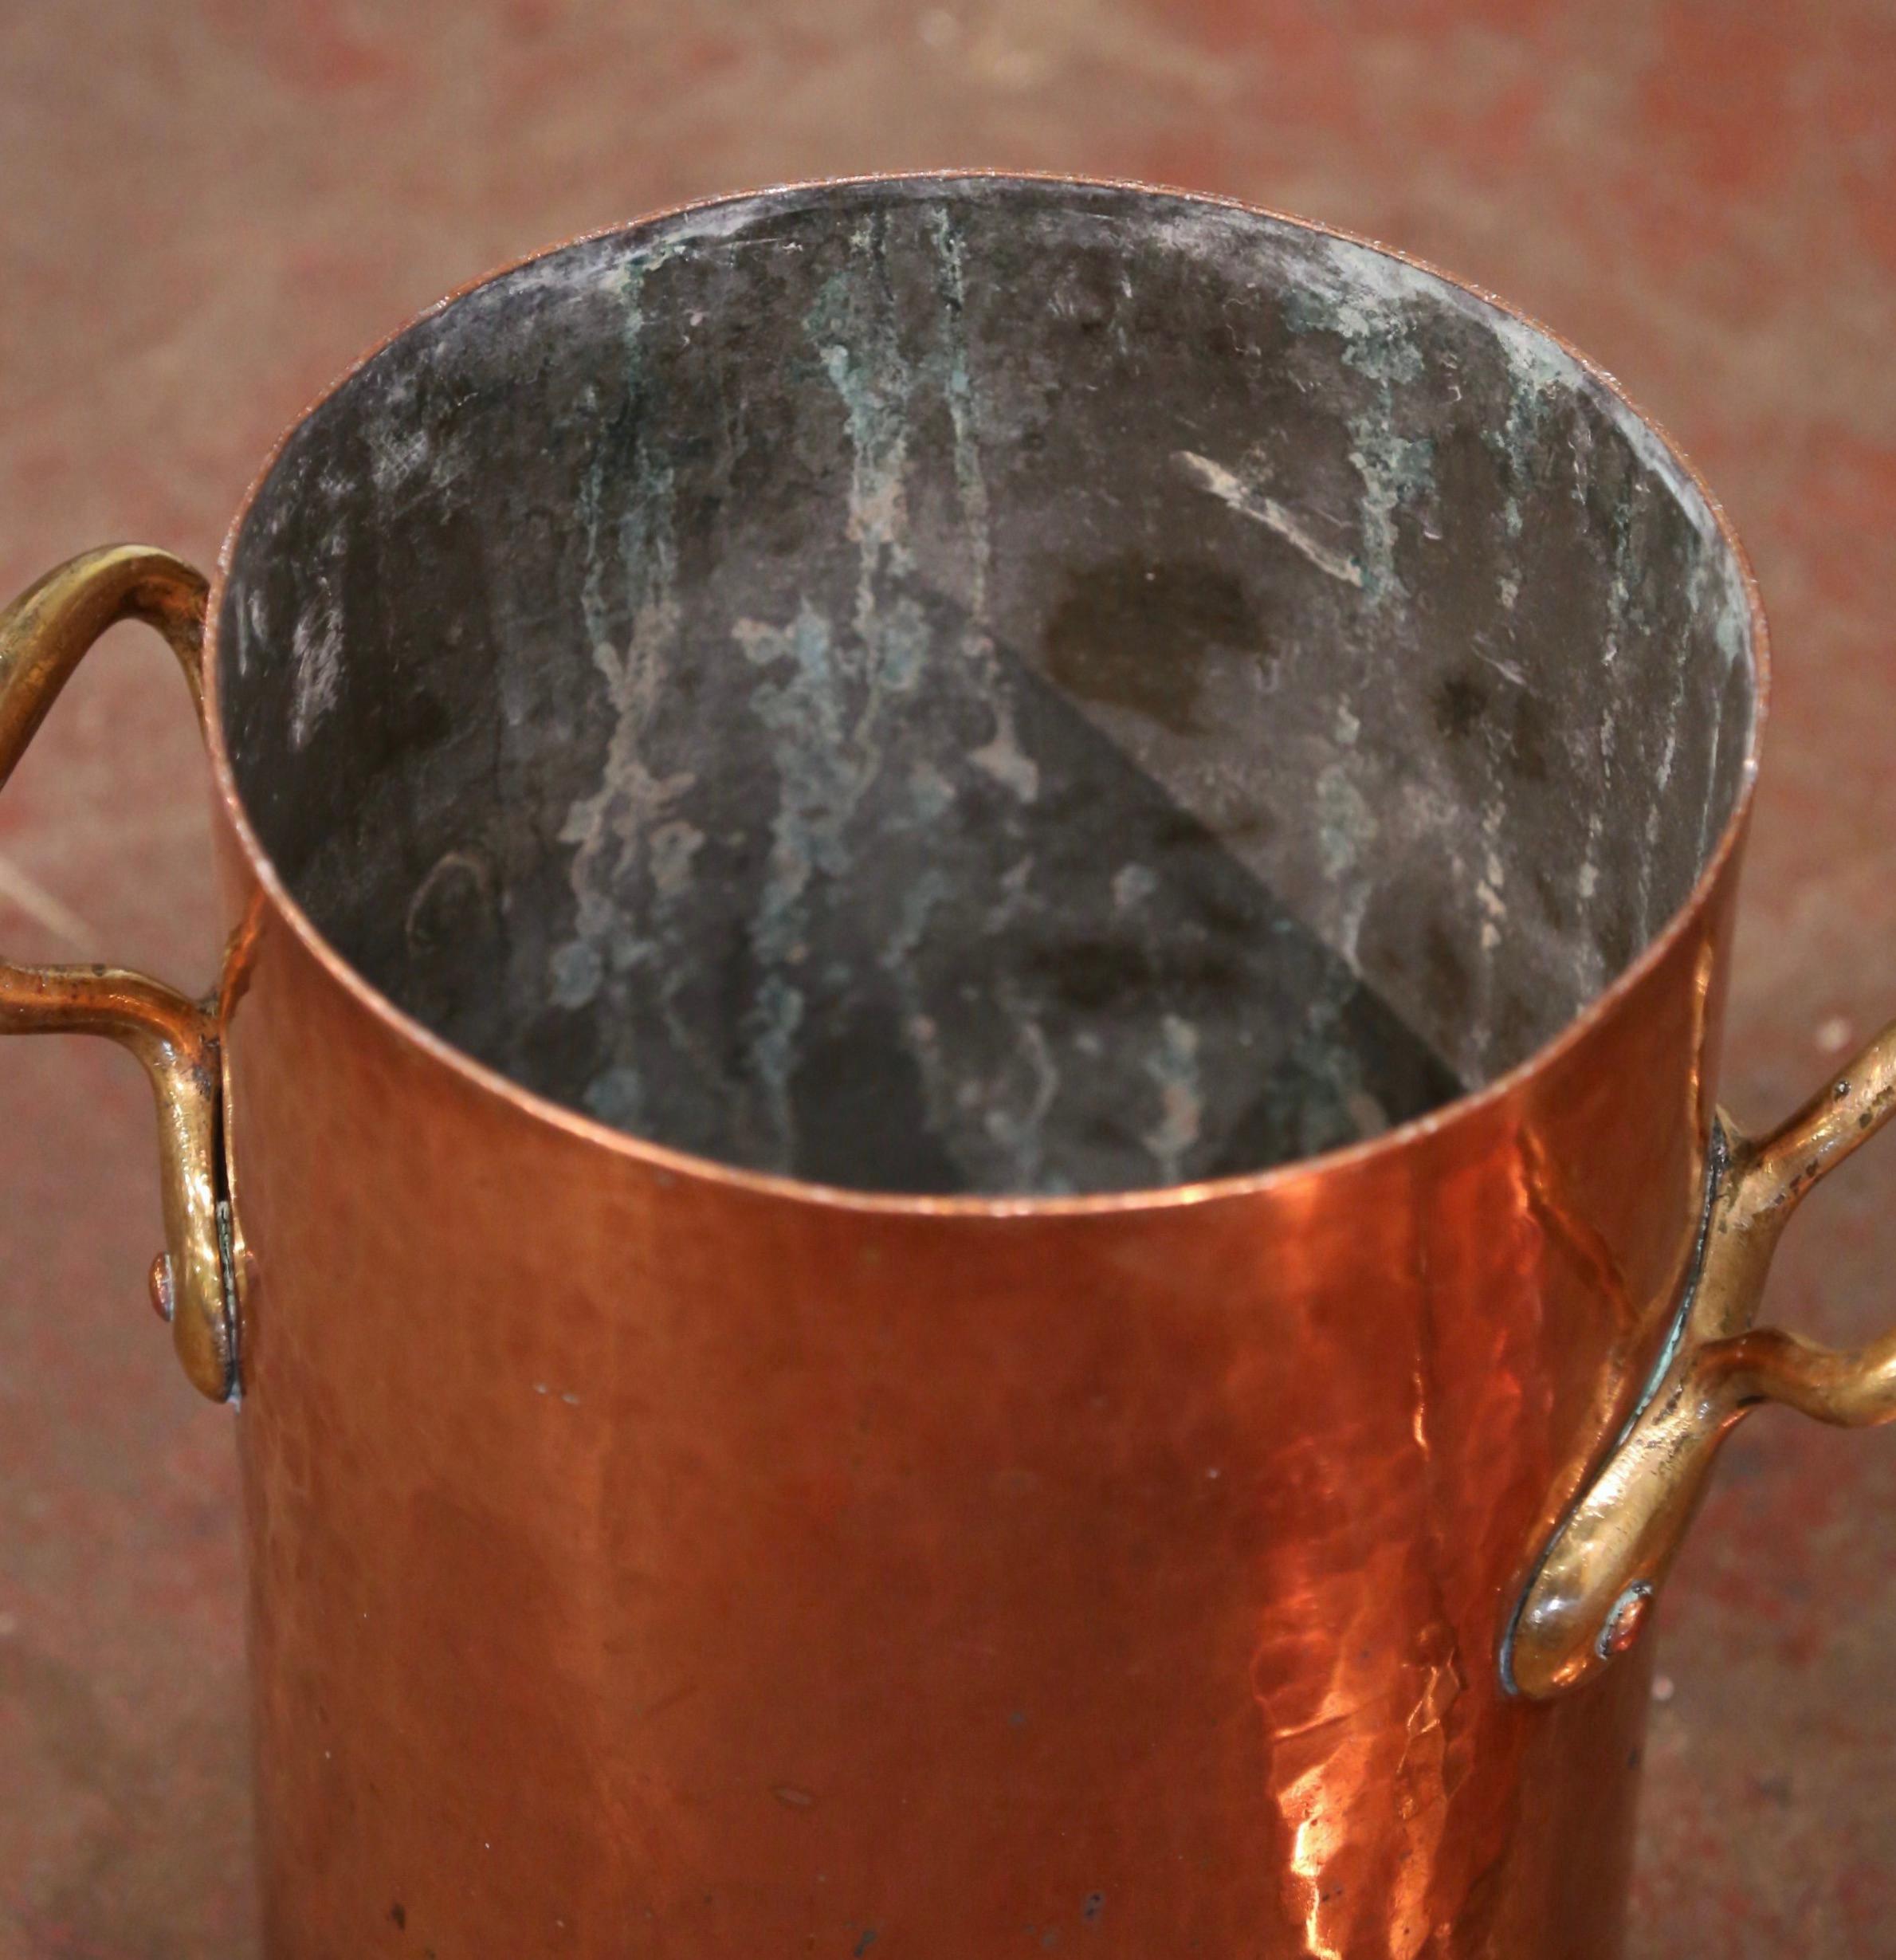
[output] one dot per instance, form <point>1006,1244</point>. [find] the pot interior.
<point>984,685</point>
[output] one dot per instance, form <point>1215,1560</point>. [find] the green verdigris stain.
<point>1383,342</point>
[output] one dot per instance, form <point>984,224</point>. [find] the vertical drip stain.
<point>1017,1099</point>
<point>1537,384</point>
<point>1015,1121</point>
<point>626,840</point>
<point>1002,757</point>
<point>862,355</point>
<point>1345,840</point>
<point>1382,323</point>
<point>1379,330</point>
<point>1397,469</point>
<point>929,891</point>
<point>824,763</point>
<point>316,655</point>
<point>1730,618</point>
<point>830,686</point>
<point>1675,715</point>
<point>1181,1104</point>
<point>1633,635</point>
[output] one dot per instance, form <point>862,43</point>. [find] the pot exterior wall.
<point>650,1561</point>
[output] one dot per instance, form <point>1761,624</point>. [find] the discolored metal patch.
<point>984,685</point>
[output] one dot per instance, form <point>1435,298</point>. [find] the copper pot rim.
<point>1449,1116</point>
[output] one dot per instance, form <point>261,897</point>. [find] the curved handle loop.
<point>1594,1586</point>
<point>44,634</point>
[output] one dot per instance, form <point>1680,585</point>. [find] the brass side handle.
<point>44,634</point>
<point>1593,1588</point>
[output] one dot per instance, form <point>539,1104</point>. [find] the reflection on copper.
<point>1589,1594</point>
<point>240,955</point>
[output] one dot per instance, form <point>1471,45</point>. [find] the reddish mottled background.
<point>211,205</point>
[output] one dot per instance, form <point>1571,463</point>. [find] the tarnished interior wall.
<point>985,685</point>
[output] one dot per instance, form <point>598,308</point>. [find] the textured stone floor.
<point>211,206</point>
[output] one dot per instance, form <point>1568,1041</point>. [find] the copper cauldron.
<point>957,1172</point>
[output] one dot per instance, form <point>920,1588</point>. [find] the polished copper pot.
<point>957,1173</point>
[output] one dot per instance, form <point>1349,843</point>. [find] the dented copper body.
<point>967,1063</point>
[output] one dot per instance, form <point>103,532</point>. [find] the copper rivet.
<point>163,1300</point>
<point>1627,1617</point>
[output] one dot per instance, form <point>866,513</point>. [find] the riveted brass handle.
<point>1594,1584</point>
<point>44,634</point>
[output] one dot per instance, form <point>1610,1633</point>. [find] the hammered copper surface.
<point>828,1569</point>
